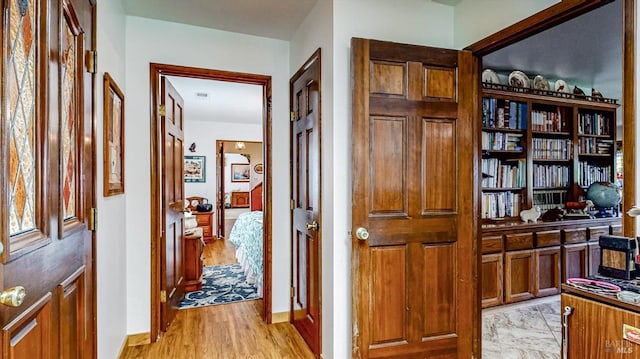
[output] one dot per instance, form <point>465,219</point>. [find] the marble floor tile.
<point>530,329</point>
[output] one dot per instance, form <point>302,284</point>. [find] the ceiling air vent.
<point>202,95</point>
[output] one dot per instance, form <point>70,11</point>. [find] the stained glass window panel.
<point>68,123</point>
<point>21,82</point>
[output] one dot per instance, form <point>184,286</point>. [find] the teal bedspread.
<point>246,236</point>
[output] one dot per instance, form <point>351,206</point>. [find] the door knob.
<point>362,234</point>
<point>13,297</point>
<point>313,226</point>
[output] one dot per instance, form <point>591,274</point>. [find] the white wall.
<point>205,134</point>
<point>408,21</point>
<point>111,236</point>
<point>171,43</point>
<point>475,20</point>
<point>316,31</point>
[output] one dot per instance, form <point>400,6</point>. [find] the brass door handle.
<point>13,297</point>
<point>313,226</point>
<point>362,234</point>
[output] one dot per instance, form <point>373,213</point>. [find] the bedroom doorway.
<point>238,195</point>
<point>264,85</point>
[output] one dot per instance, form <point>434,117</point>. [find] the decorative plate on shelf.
<point>519,79</point>
<point>561,86</point>
<point>540,83</point>
<point>490,76</point>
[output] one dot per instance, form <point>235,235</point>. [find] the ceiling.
<point>585,51</point>
<point>276,19</point>
<point>218,101</point>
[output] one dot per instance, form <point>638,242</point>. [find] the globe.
<point>604,195</point>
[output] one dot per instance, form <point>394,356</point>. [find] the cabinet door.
<point>518,275</point>
<point>547,274</point>
<point>491,280</point>
<point>594,257</point>
<point>595,330</point>
<point>574,261</point>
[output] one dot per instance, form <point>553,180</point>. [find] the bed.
<point>246,236</point>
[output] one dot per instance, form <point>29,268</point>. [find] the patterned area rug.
<point>221,285</point>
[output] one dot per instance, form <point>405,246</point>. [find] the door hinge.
<point>93,219</point>
<point>293,116</point>
<point>293,291</point>
<point>163,296</point>
<point>293,204</point>
<point>162,110</point>
<point>92,61</point>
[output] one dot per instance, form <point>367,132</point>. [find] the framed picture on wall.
<point>113,138</point>
<point>240,172</point>
<point>194,168</point>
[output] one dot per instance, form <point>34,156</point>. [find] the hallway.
<point>223,331</point>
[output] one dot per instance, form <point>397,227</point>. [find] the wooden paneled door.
<point>220,189</point>
<point>47,180</point>
<point>414,261</point>
<point>305,193</point>
<point>172,281</point>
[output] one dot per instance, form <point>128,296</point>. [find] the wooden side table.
<point>193,248</point>
<point>205,222</point>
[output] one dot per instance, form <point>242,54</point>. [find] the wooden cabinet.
<point>575,261</point>
<point>595,327</point>
<point>547,271</point>
<point>205,221</point>
<point>193,247</point>
<point>492,273</point>
<point>522,261</point>
<point>518,276</point>
<point>239,199</point>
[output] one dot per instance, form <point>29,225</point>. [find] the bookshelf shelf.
<point>541,148</point>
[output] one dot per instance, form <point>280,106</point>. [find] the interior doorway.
<point>235,194</point>
<point>264,82</point>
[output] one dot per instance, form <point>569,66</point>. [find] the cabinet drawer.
<point>616,229</point>
<point>492,244</point>
<point>518,241</point>
<point>206,231</point>
<point>575,235</point>
<point>203,219</point>
<point>596,232</point>
<point>547,238</point>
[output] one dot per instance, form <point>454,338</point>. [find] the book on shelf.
<point>551,149</point>
<point>589,173</point>
<point>549,199</point>
<point>592,145</point>
<point>501,141</point>
<point>503,173</point>
<point>501,204</point>
<point>551,175</point>
<point>594,123</point>
<point>545,120</point>
<point>504,114</point>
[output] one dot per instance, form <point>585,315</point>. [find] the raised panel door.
<point>519,268</point>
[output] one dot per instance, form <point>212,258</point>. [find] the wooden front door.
<point>172,282</point>
<point>305,160</point>
<point>47,180</point>
<point>414,201</point>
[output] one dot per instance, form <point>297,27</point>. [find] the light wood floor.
<point>226,331</point>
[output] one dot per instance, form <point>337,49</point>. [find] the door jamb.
<point>545,19</point>
<point>157,70</point>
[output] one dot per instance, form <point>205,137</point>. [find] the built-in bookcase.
<point>542,148</point>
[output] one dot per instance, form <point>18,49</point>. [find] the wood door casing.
<point>173,201</point>
<point>48,93</point>
<point>305,192</point>
<point>414,189</point>
<point>220,190</point>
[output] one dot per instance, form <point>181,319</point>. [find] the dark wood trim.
<point>156,70</point>
<point>534,24</point>
<point>629,131</point>
<point>93,272</point>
